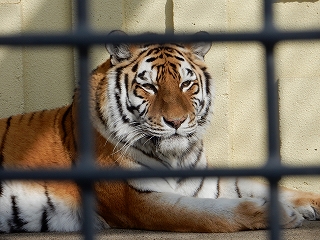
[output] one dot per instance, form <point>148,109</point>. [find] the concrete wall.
<point>37,78</point>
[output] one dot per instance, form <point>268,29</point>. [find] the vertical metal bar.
<point>272,109</point>
<point>274,221</point>
<point>273,124</point>
<point>85,145</point>
<point>273,142</point>
<point>268,14</point>
<point>85,132</point>
<point>81,15</point>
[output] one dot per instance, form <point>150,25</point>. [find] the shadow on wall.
<point>35,78</point>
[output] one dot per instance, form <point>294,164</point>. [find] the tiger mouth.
<point>174,137</point>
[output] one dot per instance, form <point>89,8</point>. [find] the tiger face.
<point>158,96</point>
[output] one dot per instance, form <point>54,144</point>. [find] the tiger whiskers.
<point>126,146</point>
<point>137,129</point>
<point>148,140</point>
<point>112,137</point>
<point>130,139</point>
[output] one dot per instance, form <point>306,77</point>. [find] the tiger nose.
<point>174,122</point>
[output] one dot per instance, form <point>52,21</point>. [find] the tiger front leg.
<point>307,204</point>
<point>173,212</point>
<point>189,214</point>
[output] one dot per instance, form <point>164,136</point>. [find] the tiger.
<point>150,106</point>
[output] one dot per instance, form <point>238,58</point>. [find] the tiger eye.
<point>186,84</point>
<point>150,87</point>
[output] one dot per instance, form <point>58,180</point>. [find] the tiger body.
<point>150,106</point>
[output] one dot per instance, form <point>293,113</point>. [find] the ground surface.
<point>309,231</point>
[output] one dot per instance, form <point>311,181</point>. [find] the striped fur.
<point>150,106</point>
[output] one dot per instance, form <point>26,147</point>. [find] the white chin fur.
<point>173,144</point>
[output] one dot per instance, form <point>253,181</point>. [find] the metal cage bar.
<point>85,174</point>
<point>273,125</point>
<point>86,155</point>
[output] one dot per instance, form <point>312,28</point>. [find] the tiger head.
<point>158,96</point>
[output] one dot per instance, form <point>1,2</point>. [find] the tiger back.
<point>150,105</point>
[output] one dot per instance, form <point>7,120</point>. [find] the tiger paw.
<point>290,217</point>
<point>308,207</point>
<point>306,203</point>
<point>255,214</point>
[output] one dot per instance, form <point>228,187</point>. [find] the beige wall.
<point>37,78</point>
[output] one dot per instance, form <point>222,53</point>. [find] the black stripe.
<point>218,188</point>
<point>179,58</point>
<point>157,50</point>
<point>193,165</point>
<point>126,83</point>
<point>237,189</point>
<point>134,81</point>
<point>141,75</point>
<point>51,207</point>
<point>180,53</point>
<point>190,72</point>
<point>118,80</point>
<point>181,180</point>
<point>195,194</point>
<point>119,104</point>
<point>169,49</point>
<point>20,118</point>
<point>55,120</point>
<point>131,108</point>
<point>44,221</point>
<point>41,114</point>
<point>18,223</point>
<point>68,133</point>
<point>3,143</point>
<point>31,118</point>
<point>125,119</point>
<point>1,189</point>
<point>203,118</point>
<point>207,80</point>
<point>143,112</point>
<point>134,68</point>
<point>49,201</point>
<point>149,51</point>
<point>194,148</point>
<point>140,105</point>
<point>98,103</point>
<point>73,136</point>
<point>165,164</point>
<point>139,190</point>
<point>198,89</point>
<point>151,59</point>
<point>63,124</point>
<point>173,66</point>
<point>117,95</point>
<point>136,93</point>
<point>94,70</point>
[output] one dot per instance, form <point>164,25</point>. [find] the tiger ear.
<point>201,48</point>
<point>118,52</point>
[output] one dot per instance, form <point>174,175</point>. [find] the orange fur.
<point>48,139</point>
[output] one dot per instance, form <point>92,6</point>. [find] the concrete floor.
<point>309,231</point>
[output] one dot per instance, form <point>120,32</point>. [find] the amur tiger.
<point>150,106</point>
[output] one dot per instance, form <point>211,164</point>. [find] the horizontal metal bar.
<point>85,174</point>
<point>90,38</point>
